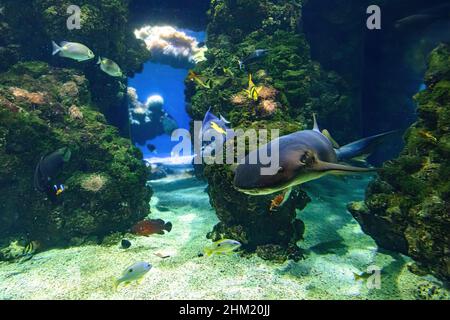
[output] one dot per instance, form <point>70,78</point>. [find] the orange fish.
<point>276,202</point>
<point>152,226</point>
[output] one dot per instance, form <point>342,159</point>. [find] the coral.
<point>239,98</point>
<point>102,162</point>
<point>268,93</point>
<point>268,107</point>
<point>406,207</point>
<point>31,97</point>
<point>75,113</point>
<point>94,182</point>
<point>68,90</point>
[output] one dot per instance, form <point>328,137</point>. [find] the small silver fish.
<point>109,67</point>
<point>73,50</point>
<point>134,272</point>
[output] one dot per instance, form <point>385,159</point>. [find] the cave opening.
<point>175,37</point>
<point>384,68</point>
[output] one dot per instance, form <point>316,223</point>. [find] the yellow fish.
<point>31,248</point>
<point>216,127</point>
<point>362,277</point>
<point>428,135</point>
<point>59,189</point>
<point>194,77</point>
<point>223,246</point>
<point>252,91</point>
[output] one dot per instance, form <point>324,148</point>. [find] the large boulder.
<point>43,109</point>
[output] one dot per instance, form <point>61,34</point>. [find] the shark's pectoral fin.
<point>330,167</point>
<point>286,196</point>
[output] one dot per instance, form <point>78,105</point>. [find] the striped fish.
<point>252,91</point>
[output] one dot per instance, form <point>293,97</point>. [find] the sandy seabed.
<point>334,244</point>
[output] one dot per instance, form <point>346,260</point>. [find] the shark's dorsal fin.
<point>329,137</point>
<point>316,126</point>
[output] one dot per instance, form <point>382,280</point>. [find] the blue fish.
<point>216,124</point>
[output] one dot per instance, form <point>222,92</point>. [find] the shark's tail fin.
<point>362,147</point>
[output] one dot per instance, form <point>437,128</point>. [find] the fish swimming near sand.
<point>49,167</point>
<point>109,67</point>
<point>223,246</point>
<point>303,156</point>
<point>73,50</point>
<point>254,57</point>
<point>149,227</point>
<point>134,273</point>
<point>31,248</point>
<point>362,276</point>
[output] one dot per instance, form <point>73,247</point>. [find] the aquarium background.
<point>89,187</point>
<point>168,82</point>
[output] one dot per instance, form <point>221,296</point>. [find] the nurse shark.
<point>303,156</point>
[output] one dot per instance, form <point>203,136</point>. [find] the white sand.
<point>88,272</point>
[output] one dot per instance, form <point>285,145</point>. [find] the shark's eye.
<point>304,158</point>
<point>131,270</point>
<point>307,158</point>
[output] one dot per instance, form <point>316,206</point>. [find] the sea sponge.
<point>75,113</point>
<point>69,90</point>
<point>268,107</point>
<point>238,99</point>
<point>94,182</point>
<point>267,93</point>
<point>32,97</point>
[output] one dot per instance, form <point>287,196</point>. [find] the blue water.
<point>168,82</point>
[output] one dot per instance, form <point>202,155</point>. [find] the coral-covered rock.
<point>407,207</point>
<point>104,29</point>
<point>291,88</point>
<point>105,179</point>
